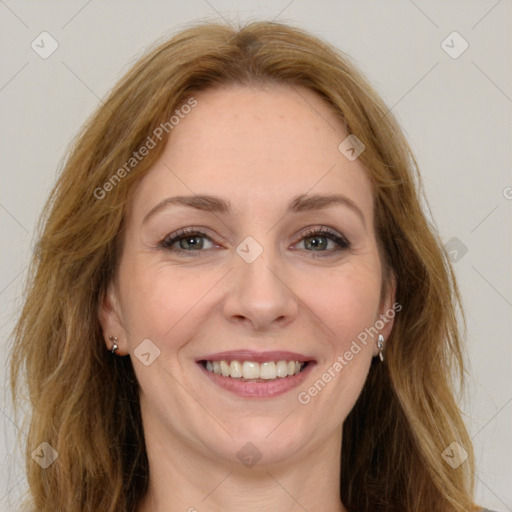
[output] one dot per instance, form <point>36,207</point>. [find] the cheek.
<point>156,299</point>
<point>347,302</point>
<point>346,299</point>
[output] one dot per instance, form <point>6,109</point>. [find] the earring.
<point>380,344</point>
<point>115,346</point>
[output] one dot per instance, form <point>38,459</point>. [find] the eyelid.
<point>335,235</point>
<point>173,237</point>
<point>342,242</point>
<point>313,230</point>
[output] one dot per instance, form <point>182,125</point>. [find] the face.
<point>250,251</point>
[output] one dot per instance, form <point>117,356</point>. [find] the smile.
<point>251,370</point>
<point>252,374</point>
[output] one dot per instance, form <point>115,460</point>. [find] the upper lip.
<point>257,357</point>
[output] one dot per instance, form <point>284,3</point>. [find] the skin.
<point>256,147</point>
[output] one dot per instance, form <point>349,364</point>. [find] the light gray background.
<point>456,114</point>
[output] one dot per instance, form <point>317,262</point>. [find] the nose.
<point>259,296</point>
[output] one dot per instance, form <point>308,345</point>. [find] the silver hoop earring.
<point>115,346</point>
<point>380,344</point>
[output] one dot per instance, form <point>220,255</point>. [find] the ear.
<point>110,318</point>
<point>388,309</point>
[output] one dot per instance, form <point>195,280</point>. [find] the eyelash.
<point>342,242</point>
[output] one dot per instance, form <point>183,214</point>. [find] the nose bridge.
<point>259,293</point>
<point>257,278</point>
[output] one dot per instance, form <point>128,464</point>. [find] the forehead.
<point>256,147</point>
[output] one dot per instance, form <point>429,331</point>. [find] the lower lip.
<point>268,389</point>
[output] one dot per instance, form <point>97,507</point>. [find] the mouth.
<point>256,375</point>
<point>252,371</point>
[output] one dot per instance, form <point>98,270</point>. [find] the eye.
<point>187,240</point>
<point>323,239</point>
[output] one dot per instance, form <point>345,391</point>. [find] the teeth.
<point>224,368</point>
<point>235,369</point>
<point>282,369</point>
<point>251,370</point>
<point>268,370</point>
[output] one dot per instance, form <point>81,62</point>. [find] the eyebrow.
<point>298,204</point>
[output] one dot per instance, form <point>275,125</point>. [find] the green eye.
<point>316,243</point>
<point>191,242</point>
<point>324,240</point>
<point>318,240</point>
<point>187,241</point>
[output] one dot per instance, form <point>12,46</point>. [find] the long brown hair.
<point>85,403</point>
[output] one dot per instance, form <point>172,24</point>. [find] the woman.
<point>237,302</point>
